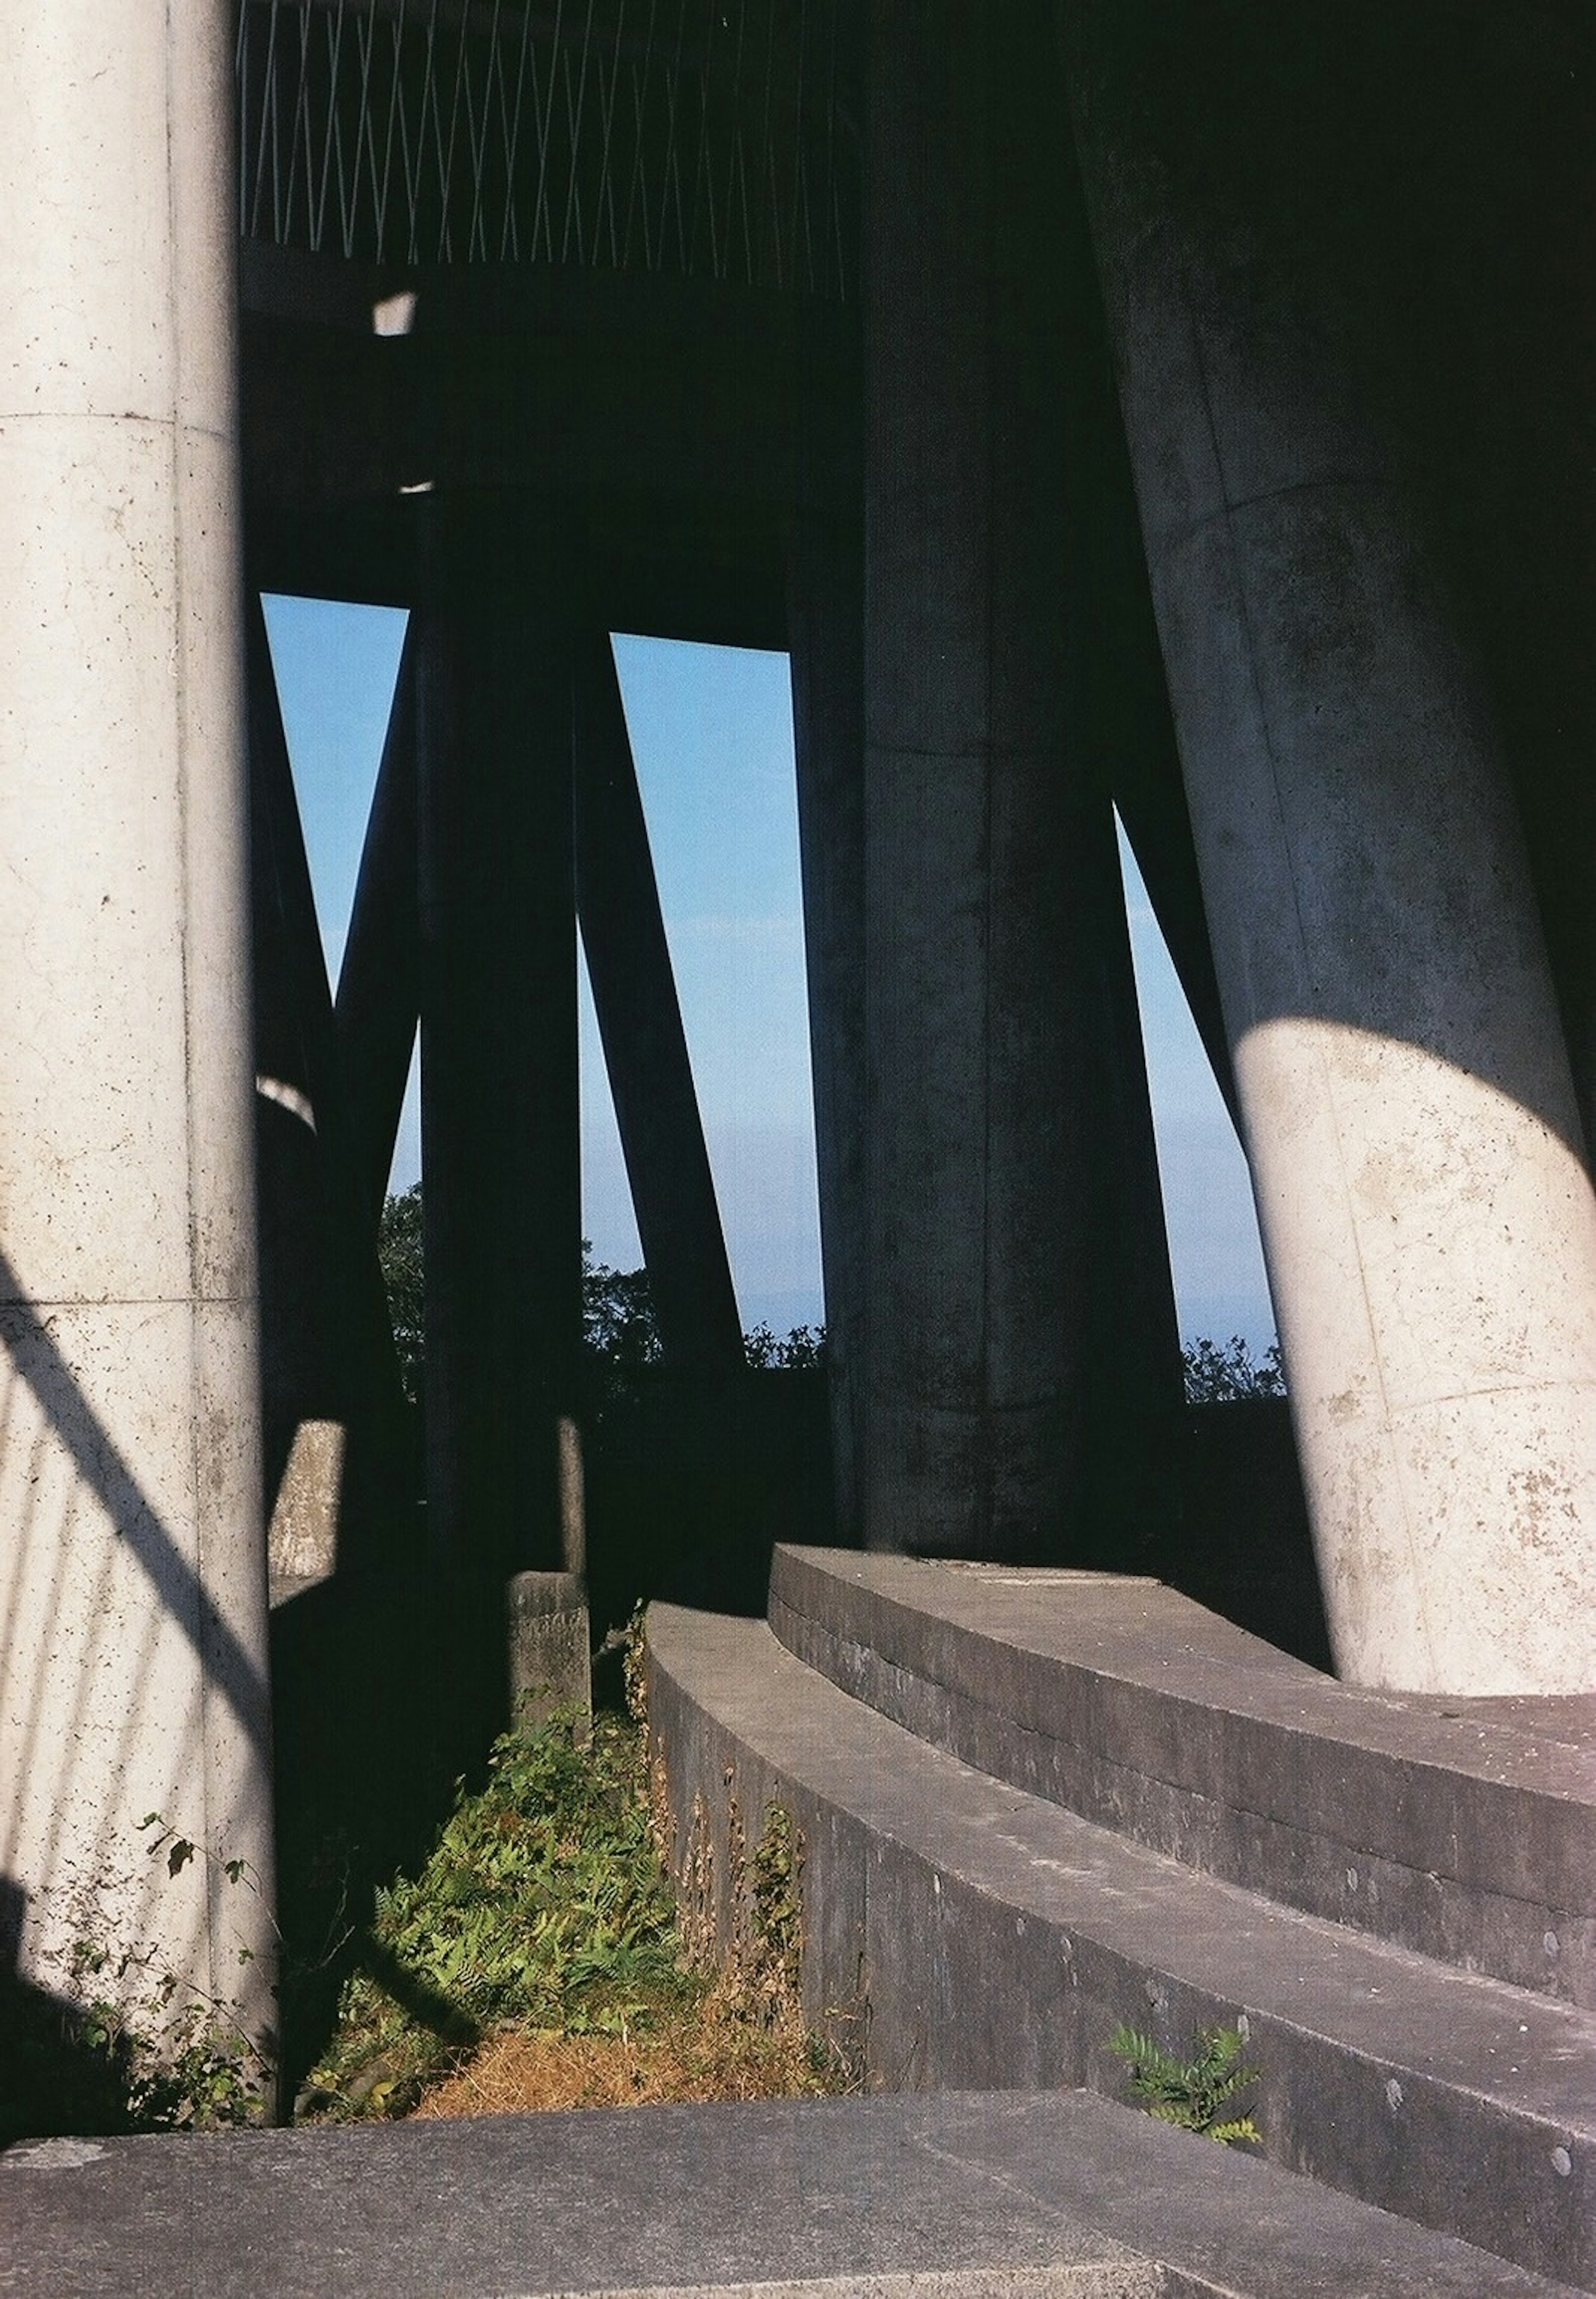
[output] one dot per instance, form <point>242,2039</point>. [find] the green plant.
<point>181,2059</point>
<point>1189,2093</point>
<point>542,1906</point>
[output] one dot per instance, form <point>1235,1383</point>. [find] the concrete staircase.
<point>1036,1804</point>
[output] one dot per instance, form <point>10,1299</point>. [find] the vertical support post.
<point>133,1677</point>
<point>499,1141</point>
<point>991,884</point>
<point>825,639</point>
<point>1407,1107</point>
<point>645,1048</point>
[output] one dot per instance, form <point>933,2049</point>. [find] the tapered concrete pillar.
<point>989,864</point>
<point>1407,1103</point>
<point>132,1566</point>
<point>499,1139</point>
<point>333,1407</point>
<point>379,989</point>
<point>646,1047</point>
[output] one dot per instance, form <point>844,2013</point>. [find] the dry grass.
<point>735,2044</point>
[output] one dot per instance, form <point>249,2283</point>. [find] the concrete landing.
<point>962,2195</point>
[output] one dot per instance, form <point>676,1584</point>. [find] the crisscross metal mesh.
<point>713,137</point>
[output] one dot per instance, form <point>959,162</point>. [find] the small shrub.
<point>1194,2092</point>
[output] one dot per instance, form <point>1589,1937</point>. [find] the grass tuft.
<point>534,1961</point>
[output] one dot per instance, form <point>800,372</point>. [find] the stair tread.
<point>1420,2019</point>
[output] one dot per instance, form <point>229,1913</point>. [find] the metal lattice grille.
<point>704,137</point>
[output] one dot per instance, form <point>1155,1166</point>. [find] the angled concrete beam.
<point>646,1047</point>
<point>378,993</point>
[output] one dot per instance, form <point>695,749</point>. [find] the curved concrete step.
<point>966,1932</point>
<point>1464,1830</point>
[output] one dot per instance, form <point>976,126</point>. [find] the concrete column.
<point>499,1141</point>
<point>379,995</point>
<point>645,1048</point>
<point>132,1566</point>
<point>989,866</point>
<point>1407,1102</point>
<point>332,1402</point>
<point>825,639</point>
<point>304,1417</point>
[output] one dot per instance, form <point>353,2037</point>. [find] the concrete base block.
<point>550,1663</point>
<point>302,1536</point>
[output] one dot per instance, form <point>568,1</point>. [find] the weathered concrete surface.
<point>550,1656</point>
<point>963,1932</point>
<point>1052,2195</point>
<point>302,1534</point>
<point>1466,1831</point>
<point>1407,1097</point>
<point>132,1566</point>
<point>1007,1130</point>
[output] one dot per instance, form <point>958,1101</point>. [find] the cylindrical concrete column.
<point>646,1047</point>
<point>499,1137</point>
<point>1407,1103</point>
<point>989,866</point>
<point>132,1569</point>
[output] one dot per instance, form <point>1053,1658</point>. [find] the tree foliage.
<point>621,1331</point>
<point>399,1252</point>
<point>1223,1372</point>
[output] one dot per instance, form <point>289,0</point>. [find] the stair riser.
<point>1491,1880</point>
<point>936,1985</point>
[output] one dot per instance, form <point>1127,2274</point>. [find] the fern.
<point>1189,2093</point>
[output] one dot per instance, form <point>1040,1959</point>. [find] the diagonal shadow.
<point>37,1360</point>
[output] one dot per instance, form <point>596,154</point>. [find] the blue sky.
<point>712,730</point>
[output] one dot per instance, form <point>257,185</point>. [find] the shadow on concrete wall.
<point>53,2077</point>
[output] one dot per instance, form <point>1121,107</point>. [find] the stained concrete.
<point>1056,2196</point>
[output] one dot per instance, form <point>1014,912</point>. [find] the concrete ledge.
<point>967,1933</point>
<point>1464,1830</point>
<point>1014,2196</point>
